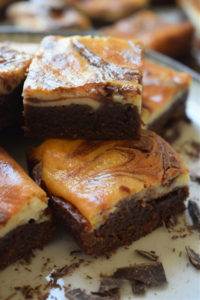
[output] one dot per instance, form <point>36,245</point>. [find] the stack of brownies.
<point>109,181</point>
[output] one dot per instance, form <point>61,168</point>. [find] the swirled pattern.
<point>95,175</point>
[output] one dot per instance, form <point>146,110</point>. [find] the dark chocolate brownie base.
<point>21,241</point>
<point>110,121</point>
<point>175,113</point>
<point>135,219</point>
<point>11,107</point>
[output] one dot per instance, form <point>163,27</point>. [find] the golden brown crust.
<point>47,16</point>
<point>16,188</point>
<point>154,32</point>
<point>79,67</point>
<point>95,175</point>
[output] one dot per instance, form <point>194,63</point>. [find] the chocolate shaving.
<point>148,255</point>
<point>171,222</point>
<point>77,294</point>
<point>64,271</point>
<point>194,213</point>
<point>138,288</point>
<point>109,287</point>
<point>193,257</point>
<point>151,274</point>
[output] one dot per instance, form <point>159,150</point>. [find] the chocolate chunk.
<point>194,212</point>
<point>171,222</point>
<point>148,255</point>
<point>151,274</point>
<point>138,288</point>
<point>109,287</point>
<point>193,257</point>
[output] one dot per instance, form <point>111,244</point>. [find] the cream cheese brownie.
<point>84,87</point>
<point>192,10</point>
<point>171,39</point>
<point>49,15</point>
<point>165,93</point>
<point>108,11</point>
<point>25,221</point>
<point>110,193</point>
<point>14,61</point>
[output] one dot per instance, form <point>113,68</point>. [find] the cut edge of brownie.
<point>175,113</point>
<point>135,219</point>
<point>110,121</point>
<point>19,242</point>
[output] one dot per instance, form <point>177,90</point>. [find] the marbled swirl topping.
<point>95,175</point>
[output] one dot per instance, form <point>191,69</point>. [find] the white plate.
<point>183,278</point>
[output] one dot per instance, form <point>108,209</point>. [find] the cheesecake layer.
<point>21,200</point>
<point>47,16</point>
<point>95,176</point>
<point>163,87</point>
<point>171,39</point>
<point>83,80</point>
<point>111,10</point>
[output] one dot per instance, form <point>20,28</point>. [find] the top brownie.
<point>84,87</point>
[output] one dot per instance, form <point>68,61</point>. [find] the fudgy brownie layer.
<point>175,113</point>
<point>110,121</point>
<point>129,222</point>
<point>21,241</point>
<point>11,107</point>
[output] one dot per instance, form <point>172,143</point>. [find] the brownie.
<point>15,59</point>
<point>46,16</point>
<point>110,193</point>
<point>171,39</point>
<point>84,87</point>
<point>104,11</point>
<point>165,92</point>
<point>25,219</point>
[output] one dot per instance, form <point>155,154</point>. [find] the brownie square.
<point>171,39</point>
<point>14,61</point>
<point>84,87</point>
<point>25,219</point>
<point>165,92</point>
<point>110,193</point>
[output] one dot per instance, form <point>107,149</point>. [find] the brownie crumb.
<point>180,254</point>
<point>28,292</point>
<point>173,249</point>
<point>174,237</point>
<point>193,257</point>
<point>74,252</point>
<point>149,255</point>
<point>194,212</point>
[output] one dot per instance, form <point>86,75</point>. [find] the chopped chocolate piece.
<point>138,288</point>
<point>151,274</point>
<point>147,254</point>
<point>193,257</point>
<point>194,213</point>
<point>109,287</point>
